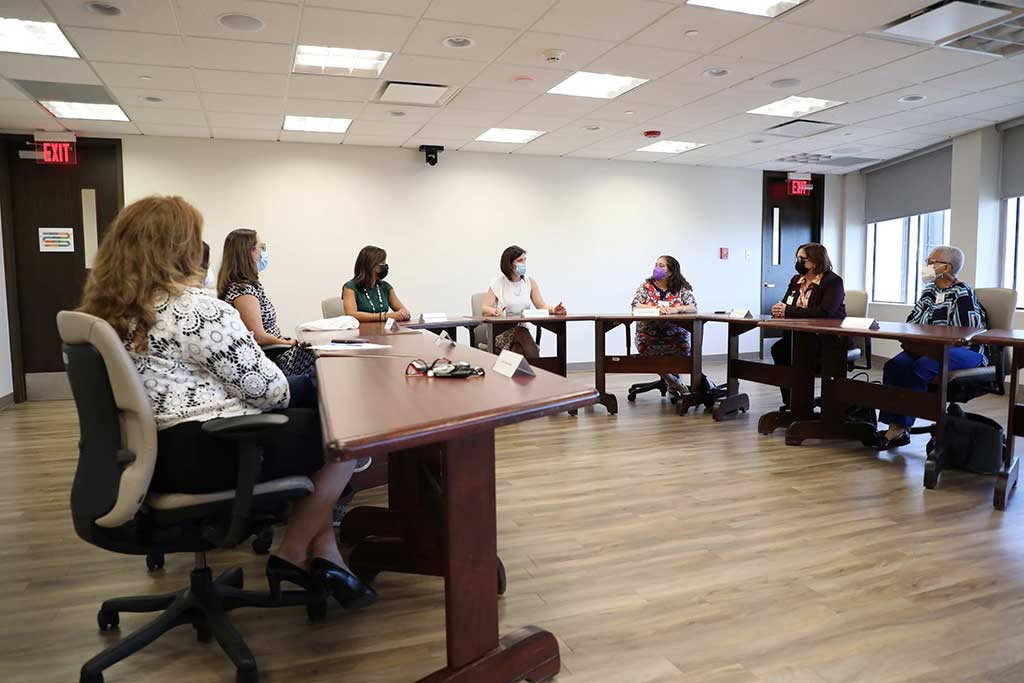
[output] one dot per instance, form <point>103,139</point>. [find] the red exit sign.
<point>799,188</point>
<point>57,153</point>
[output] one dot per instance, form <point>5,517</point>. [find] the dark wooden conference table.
<point>1006,479</point>
<point>438,435</point>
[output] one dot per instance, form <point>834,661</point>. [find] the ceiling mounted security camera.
<point>431,152</point>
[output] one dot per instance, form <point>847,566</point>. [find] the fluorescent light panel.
<point>671,147</point>
<point>34,38</point>
<point>85,110</point>
<point>794,107</point>
<point>763,8</point>
<point>339,61</point>
<point>602,86</point>
<point>316,124</point>
<point>514,136</point>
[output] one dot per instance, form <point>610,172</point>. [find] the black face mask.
<point>801,266</point>
<point>383,272</point>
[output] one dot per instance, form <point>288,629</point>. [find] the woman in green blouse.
<point>366,296</point>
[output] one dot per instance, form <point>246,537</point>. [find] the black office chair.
<point>112,507</point>
<point>965,385</point>
<point>711,391</point>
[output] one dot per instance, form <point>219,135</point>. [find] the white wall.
<point>6,373</point>
<point>975,206</point>
<point>832,220</point>
<point>592,228</point>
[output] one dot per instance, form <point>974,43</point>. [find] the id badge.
<point>940,298</point>
<point>791,301</point>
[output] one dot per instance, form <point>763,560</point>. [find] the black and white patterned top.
<point>294,361</point>
<point>955,306</point>
<point>202,363</point>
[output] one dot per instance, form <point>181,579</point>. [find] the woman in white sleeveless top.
<point>511,293</point>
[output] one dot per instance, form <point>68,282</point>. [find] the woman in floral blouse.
<point>667,290</point>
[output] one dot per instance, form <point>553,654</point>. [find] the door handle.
<point>769,285</point>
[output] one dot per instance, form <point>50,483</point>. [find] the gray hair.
<point>954,256</point>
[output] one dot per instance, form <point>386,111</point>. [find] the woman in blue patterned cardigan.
<point>944,301</point>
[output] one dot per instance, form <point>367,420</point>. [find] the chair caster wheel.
<point>631,397</point>
<point>154,561</point>
<point>251,676</point>
<point>107,620</point>
<point>262,541</point>
<point>90,678</point>
<point>316,611</point>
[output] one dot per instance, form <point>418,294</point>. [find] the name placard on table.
<point>741,313</point>
<point>389,325</point>
<point>510,362</point>
<point>646,312</point>
<point>536,313</point>
<point>433,317</point>
<point>850,323</point>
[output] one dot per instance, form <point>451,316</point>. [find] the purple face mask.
<point>659,273</point>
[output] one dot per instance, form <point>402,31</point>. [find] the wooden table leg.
<point>607,400</point>
<point>475,654</point>
<point>933,465</point>
<point>801,390</point>
<point>734,402</point>
<point>1006,480</point>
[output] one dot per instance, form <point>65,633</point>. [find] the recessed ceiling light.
<point>396,113</point>
<point>764,8</point>
<point>757,141</point>
<point>602,86</point>
<point>592,128</point>
<point>104,9</point>
<point>152,98</point>
<point>339,61</point>
<point>692,33</point>
<point>316,124</point>
<point>145,78</point>
<point>458,42</point>
<point>510,135</point>
<point>85,110</point>
<point>913,98</point>
<point>34,38</point>
<point>629,112</point>
<point>240,22</point>
<point>715,73</point>
<point>785,83</point>
<point>794,107</point>
<point>671,147</point>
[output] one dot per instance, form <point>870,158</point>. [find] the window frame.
<point>912,257</point>
<point>1013,208</point>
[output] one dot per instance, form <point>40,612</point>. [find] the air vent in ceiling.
<point>826,160</point>
<point>45,91</point>
<point>417,94</point>
<point>802,128</point>
<point>993,28</point>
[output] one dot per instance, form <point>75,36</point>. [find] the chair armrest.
<point>244,426</point>
<point>276,347</point>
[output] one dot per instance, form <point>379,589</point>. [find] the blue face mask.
<point>520,269</point>
<point>261,265</point>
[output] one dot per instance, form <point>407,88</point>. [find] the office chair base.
<point>659,385</point>
<point>204,604</point>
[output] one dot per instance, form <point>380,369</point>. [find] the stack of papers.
<point>336,349</point>
<point>342,322</point>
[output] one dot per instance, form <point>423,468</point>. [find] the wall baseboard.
<point>6,401</point>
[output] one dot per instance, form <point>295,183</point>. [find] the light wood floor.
<point>657,548</point>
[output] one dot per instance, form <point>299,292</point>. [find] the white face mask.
<point>928,274</point>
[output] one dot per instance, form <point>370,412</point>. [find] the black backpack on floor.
<point>973,442</point>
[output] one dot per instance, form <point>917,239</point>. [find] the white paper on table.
<point>536,313</point>
<point>859,324</point>
<point>647,312</point>
<point>342,322</point>
<point>333,349</point>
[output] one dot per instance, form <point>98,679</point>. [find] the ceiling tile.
<point>236,55</point>
<point>238,83</point>
<point>130,48</point>
<point>55,69</point>
<point>949,126</point>
<point>641,61</point>
<point>739,70</point>
<point>1000,114</point>
<point>502,77</point>
<point>808,77</point>
<point>496,147</point>
<point>606,128</point>
<point>588,153</point>
<point>382,112</point>
<point>148,16</point>
<point>243,104</point>
<point>563,105</point>
<point>714,29</point>
<point>359,30</point>
<point>318,138</point>
<point>224,133</point>
<point>629,112</point>
<point>853,17</point>
<point>857,87</point>
<point>906,119</point>
<point>446,132</point>
<point>375,140</point>
<point>488,42</point>
<point>332,87</point>
<point>859,53</point>
<point>968,104</point>
<point>859,111</point>
<point>671,131</point>
<point>9,92</point>
<point>492,100</point>
<point>234,120</point>
<point>449,145</point>
<point>846,135</point>
<point>388,128</point>
<point>87,126</point>
<point>784,42</point>
<point>408,8</point>
<point>467,117</point>
<point>985,77</point>
<point>904,140</point>
<point>749,123</point>
<point>25,115</point>
<point>613,146</point>
<point>545,122</point>
<point>603,19</point>
<point>32,10</point>
<point>200,18</point>
<point>712,136</point>
<point>648,157</point>
<point>335,109</point>
<point>663,94</point>
<point>129,75</point>
<point>529,50</point>
<point>417,69</point>
<point>552,144</point>
<point>174,117</point>
<point>518,14</point>
<point>172,99</point>
<point>163,130</point>
<point>931,64</point>
<point>1014,91</point>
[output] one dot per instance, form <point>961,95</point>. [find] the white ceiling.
<point>220,83</point>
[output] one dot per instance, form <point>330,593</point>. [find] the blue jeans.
<point>912,371</point>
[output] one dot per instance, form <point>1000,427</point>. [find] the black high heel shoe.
<point>347,588</point>
<point>279,570</point>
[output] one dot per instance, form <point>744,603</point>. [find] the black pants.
<point>782,355</point>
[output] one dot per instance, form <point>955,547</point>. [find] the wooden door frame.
<point>10,260</point>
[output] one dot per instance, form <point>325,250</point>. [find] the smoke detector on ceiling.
<point>553,55</point>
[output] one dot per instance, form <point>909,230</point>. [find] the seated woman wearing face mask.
<point>669,291</point>
<point>367,297</point>
<point>944,301</point>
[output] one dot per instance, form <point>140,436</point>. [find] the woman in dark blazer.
<point>814,292</point>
